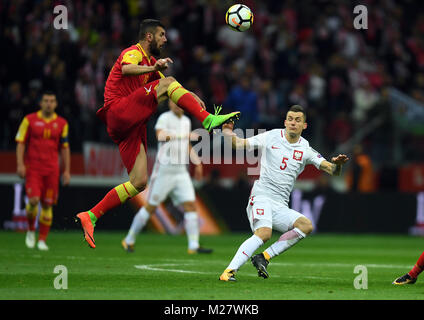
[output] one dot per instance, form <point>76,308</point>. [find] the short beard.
<point>154,50</point>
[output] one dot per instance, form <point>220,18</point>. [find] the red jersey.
<point>118,85</point>
<point>43,139</point>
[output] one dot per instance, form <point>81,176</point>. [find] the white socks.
<point>139,221</point>
<point>287,240</point>
<point>245,251</point>
<point>191,225</point>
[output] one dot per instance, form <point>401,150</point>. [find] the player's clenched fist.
<point>162,64</point>
<point>340,159</point>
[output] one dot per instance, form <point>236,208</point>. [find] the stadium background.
<point>362,89</point>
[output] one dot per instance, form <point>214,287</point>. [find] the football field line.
<point>225,262</point>
<point>313,264</point>
<point>159,267</point>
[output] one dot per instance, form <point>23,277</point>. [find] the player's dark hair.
<point>48,93</point>
<point>298,108</point>
<point>148,25</point>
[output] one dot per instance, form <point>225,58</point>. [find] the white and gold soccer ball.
<point>239,17</point>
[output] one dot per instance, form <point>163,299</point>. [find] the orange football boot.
<point>87,226</point>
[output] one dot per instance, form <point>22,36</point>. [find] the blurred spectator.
<point>361,177</point>
<point>364,99</point>
<point>241,97</point>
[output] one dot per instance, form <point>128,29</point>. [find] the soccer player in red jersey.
<point>411,276</point>
<point>134,88</point>
<point>40,137</point>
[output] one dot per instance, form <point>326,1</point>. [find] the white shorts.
<point>177,185</point>
<point>263,212</point>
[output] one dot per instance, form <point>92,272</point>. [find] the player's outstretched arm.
<point>334,167</point>
<point>135,69</point>
<point>236,142</point>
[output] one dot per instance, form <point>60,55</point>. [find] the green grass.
<point>320,268</point>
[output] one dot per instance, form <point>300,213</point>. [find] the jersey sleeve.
<point>314,157</point>
<point>258,141</point>
<point>132,57</point>
<point>64,140</point>
<point>22,134</point>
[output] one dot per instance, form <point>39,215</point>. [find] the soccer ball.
<point>239,17</point>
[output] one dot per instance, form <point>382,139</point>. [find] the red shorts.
<point>42,185</point>
<point>126,119</point>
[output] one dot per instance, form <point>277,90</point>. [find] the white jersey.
<point>173,154</point>
<point>281,163</point>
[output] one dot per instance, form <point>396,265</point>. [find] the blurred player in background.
<point>171,177</point>
<point>284,156</point>
<point>40,138</point>
<point>411,276</point>
<point>134,88</point>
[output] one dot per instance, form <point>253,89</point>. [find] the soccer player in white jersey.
<point>285,153</point>
<point>170,177</point>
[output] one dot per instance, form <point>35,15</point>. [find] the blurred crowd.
<point>297,52</point>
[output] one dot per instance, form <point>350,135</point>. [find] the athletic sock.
<point>418,268</point>
<point>45,222</point>
<point>184,99</point>
<point>113,199</point>
<point>138,223</point>
<point>286,241</point>
<point>191,225</point>
<point>31,214</point>
<point>245,251</point>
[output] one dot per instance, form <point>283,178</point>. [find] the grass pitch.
<point>320,267</point>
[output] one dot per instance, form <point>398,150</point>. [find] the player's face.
<point>295,123</point>
<point>159,40</point>
<point>48,104</point>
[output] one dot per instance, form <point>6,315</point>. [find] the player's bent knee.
<point>34,201</point>
<point>304,225</point>
<point>139,183</point>
<point>264,233</point>
<point>189,206</point>
<point>150,208</point>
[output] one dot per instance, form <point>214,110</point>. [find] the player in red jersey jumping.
<point>411,276</point>
<point>40,137</point>
<point>133,90</point>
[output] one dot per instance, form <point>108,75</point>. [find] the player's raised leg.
<point>138,223</point>
<point>411,276</point>
<point>186,100</point>
<point>115,197</point>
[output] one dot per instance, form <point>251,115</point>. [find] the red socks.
<point>114,198</point>
<point>418,268</point>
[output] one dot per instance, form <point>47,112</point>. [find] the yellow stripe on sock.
<point>266,255</point>
<point>176,91</point>
<point>125,191</point>
<point>31,211</point>
<point>46,216</point>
